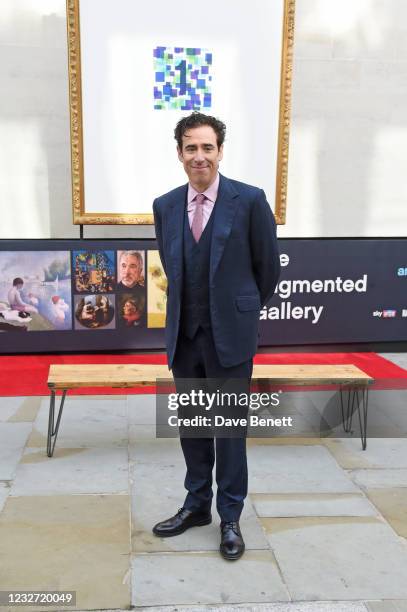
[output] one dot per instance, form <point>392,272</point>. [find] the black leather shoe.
<point>180,522</point>
<point>231,544</point>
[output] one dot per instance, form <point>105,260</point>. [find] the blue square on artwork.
<point>201,83</point>
<point>159,77</point>
<point>208,58</point>
<point>205,69</point>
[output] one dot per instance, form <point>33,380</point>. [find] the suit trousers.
<point>197,358</point>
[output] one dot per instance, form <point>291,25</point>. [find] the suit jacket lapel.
<point>225,210</point>
<point>176,231</point>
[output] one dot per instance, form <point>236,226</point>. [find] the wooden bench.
<point>348,377</point>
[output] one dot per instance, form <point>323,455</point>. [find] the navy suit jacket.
<point>244,265</point>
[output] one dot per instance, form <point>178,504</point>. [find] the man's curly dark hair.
<point>196,119</point>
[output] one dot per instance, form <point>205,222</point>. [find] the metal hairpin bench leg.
<point>364,403</point>
<point>53,433</point>
<point>353,396</point>
<point>347,416</point>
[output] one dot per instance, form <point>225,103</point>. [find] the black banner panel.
<point>92,295</point>
<point>338,291</point>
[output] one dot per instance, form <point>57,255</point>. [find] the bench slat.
<point>138,375</point>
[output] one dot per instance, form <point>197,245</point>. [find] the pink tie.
<point>197,221</point>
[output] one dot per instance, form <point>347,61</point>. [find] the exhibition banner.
<point>338,291</point>
<point>110,295</point>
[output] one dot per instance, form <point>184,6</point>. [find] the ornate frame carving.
<point>285,112</point>
<point>80,216</point>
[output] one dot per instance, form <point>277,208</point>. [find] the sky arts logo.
<point>385,314</point>
<point>402,272</point>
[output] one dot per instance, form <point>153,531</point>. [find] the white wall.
<point>347,171</point>
<point>347,167</point>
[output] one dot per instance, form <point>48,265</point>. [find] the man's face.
<point>200,156</point>
<point>130,270</point>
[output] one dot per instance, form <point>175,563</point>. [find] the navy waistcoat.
<point>195,310</point>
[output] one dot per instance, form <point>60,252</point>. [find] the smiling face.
<point>200,156</point>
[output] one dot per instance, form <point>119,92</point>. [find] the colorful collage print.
<point>183,79</point>
<point>82,290</point>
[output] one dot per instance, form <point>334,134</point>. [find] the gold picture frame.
<point>77,82</point>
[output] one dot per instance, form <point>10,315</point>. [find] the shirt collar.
<point>211,193</point>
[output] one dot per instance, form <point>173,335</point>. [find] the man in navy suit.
<point>218,246</point>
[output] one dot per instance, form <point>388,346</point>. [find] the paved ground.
<point>325,523</point>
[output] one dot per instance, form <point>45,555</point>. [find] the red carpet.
<point>27,375</point>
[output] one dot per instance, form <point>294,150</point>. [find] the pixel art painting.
<point>182,78</point>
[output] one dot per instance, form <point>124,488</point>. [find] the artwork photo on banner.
<point>35,291</point>
<point>133,74</point>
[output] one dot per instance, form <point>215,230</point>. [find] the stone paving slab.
<point>140,432</point>
<point>399,359</point>
<point>354,558</point>
<point>14,435</point>
<point>315,504</point>
<point>9,458</point>
<point>72,471</point>
<point>328,606</point>
<point>342,455</point>
<point>392,404</point>
<point>379,478</point>
<point>9,406</point>
<point>392,504</point>
<point>387,606</point>
<point>68,542</point>
<point>387,415</point>
<point>163,451</point>
<point>17,409</point>
<point>199,578</point>
<point>157,493</point>
<point>86,422</point>
<point>323,410</point>
<point>380,453</point>
<point>295,469</point>
<point>4,491</point>
<point>283,441</point>
<point>141,409</point>
<point>383,421</point>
